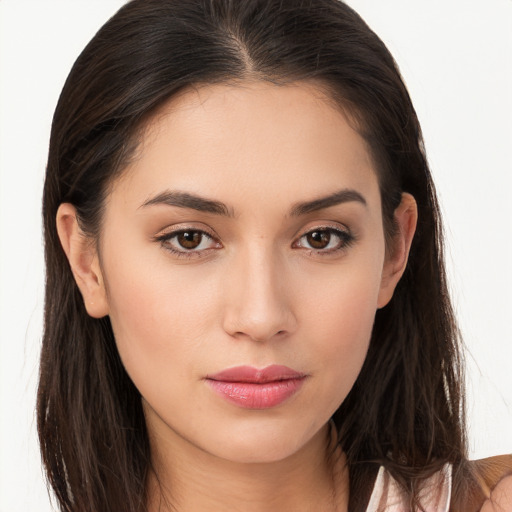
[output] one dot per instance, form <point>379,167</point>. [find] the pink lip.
<point>253,388</point>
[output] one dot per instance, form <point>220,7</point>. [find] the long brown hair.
<point>405,410</point>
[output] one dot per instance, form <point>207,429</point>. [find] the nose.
<point>258,298</point>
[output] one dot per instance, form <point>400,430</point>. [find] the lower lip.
<point>250,395</point>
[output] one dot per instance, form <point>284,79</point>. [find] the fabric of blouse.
<point>435,494</point>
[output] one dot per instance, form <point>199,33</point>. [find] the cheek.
<point>342,300</point>
<point>160,321</point>
<point>339,326</point>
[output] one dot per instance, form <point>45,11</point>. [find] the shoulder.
<point>500,499</point>
<point>496,476</point>
<point>484,485</point>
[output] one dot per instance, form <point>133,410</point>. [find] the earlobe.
<point>406,216</point>
<point>83,260</point>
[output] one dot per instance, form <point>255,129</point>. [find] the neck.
<point>187,479</point>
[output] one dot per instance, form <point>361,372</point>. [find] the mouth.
<point>252,388</point>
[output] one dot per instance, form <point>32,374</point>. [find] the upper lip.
<point>272,373</point>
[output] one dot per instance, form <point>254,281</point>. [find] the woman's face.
<point>246,233</point>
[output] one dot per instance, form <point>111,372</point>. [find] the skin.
<point>253,292</point>
<point>500,499</point>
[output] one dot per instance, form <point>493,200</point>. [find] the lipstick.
<point>253,388</point>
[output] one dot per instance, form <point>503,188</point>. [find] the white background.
<point>456,57</point>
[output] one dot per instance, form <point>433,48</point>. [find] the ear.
<point>406,216</point>
<point>83,260</point>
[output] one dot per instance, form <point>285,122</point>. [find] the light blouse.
<point>388,496</point>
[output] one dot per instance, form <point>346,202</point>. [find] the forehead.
<point>255,138</point>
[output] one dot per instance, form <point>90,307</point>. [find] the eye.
<point>188,242</point>
<point>325,239</point>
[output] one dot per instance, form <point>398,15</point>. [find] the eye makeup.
<point>188,242</point>
<point>325,240</point>
<point>191,242</point>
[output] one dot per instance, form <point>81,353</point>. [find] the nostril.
<point>260,336</point>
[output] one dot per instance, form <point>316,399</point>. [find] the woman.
<point>246,305</point>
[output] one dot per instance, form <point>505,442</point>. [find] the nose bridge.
<point>258,304</point>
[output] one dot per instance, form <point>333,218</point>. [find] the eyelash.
<point>166,239</point>
<point>345,240</point>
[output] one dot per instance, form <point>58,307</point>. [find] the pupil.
<point>189,239</point>
<point>319,239</point>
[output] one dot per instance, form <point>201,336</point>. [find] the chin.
<point>260,453</point>
<point>266,442</point>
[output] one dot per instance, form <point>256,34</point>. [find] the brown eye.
<point>188,242</point>
<point>318,239</point>
<point>325,240</point>
<point>189,239</point>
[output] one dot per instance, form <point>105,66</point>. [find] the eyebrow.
<point>187,200</point>
<point>202,204</point>
<point>345,195</point>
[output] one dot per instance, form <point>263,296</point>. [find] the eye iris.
<point>319,239</point>
<point>189,239</point>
